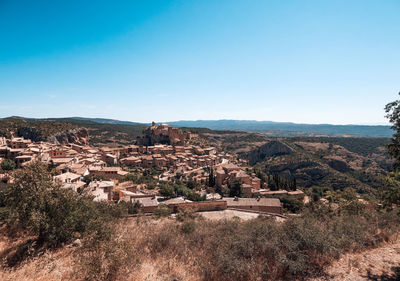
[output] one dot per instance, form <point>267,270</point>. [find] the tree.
<point>211,178</point>
<point>8,165</point>
<point>44,208</point>
<point>235,190</point>
<point>191,184</point>
<point>167,190</point>
<point>392,110</point>
<point>390,193</point>
<point>349,194</point>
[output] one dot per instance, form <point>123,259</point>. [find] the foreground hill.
<point>196,249</point>
<point>377,264</point>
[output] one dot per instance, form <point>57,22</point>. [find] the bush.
<point>291,204</point>
<point>39,205</point>
<point>55,215</point>
<point>186,214</point>
<point>262,249</point>
<point>188,227</point>
<point>8,165</point>
<point>106,254</point>
<point>134,208</point>
<point>162,211</point>
<point>167,190</point>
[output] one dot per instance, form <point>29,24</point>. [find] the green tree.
<point>191,184</point>
<point>390,193</point>
<point>235,189</point>
<point>167,190</point>
<point>392,110</point>
<point>349,194</point>
<point>211,178</point>
<point>44,208</point>
<point>8,165</point>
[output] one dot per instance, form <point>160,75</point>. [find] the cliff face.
<point>31,133</point>
<point>78,136</point>
<point>39,130</point>
<point>54,132</point>
<point>318,164</point>
<point>272,148</point>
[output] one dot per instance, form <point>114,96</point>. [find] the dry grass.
<point>48,265</point>
<point>197,249</point>
<point>374,264</point>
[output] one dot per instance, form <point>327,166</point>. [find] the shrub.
<point>51,213</point>
<point>134,208</point>
<point>261,249</point>
<point>188,227</point>
<point>167,190</point>
<point>107,253</point>
<point>162,211</point>
<point>55,215</point>
<point>8,165</point>
<point>186,214</point>
<point>291,204</point>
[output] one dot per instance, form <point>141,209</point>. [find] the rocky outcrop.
<point>44,130</point>
<point>338,165</point>
<point>78,136</point>
<point>292,166</point>
<point>272,148</point>
<point>31,133</point>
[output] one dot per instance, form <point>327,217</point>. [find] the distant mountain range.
<point>289,129</point>
<point>270,128</point>
<point>108,121</point>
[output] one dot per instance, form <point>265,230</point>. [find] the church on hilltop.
<point>164,134</point>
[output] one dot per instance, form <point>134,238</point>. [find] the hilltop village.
<point>164,154</point>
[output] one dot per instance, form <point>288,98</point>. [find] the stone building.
<point>164,134</point>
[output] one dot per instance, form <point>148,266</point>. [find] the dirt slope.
<point>382,263</point>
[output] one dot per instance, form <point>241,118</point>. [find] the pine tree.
<point>211,178</point>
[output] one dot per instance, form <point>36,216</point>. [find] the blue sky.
<point>301,61</point>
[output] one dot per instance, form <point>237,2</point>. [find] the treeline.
<point>206,131</point>
<point>277,181</point>
<point>360,145</point>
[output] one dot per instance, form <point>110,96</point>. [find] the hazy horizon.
<point>194,120</point>
<point>310,62</point>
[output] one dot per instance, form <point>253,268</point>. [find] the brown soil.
<point>381,264</point>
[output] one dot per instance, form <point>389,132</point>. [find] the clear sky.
<point>284,60</point>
